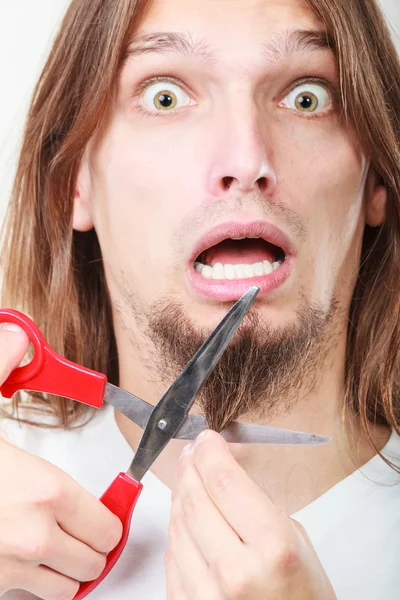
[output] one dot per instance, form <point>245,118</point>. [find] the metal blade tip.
<point>250,295</point>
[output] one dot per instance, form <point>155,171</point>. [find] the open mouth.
<point>239,258</point>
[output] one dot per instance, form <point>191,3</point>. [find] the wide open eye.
<point>164,96</point>
<point>308,98</point>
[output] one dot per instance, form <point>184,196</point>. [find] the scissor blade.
<point>139,411</point>
<point>172,409</point>
<point>247,433</point>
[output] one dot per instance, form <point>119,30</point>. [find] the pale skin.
<point>138,184</point>
<point>148,175</point>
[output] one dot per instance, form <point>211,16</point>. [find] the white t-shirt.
<point>355,526</point>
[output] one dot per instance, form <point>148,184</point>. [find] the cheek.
<point>324,175</point>
<point>342,207</point>
<point>137,202</point>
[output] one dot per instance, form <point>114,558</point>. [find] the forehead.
<point>224,22</point>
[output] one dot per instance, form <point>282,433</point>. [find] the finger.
<point>14,344</point>
<point>244,505</point>
<point>72,558</point>
<point>209,529</point>
<point>48,584</point>
<point>197,579</point>
<point>175,589</point>
<point>84,517</point>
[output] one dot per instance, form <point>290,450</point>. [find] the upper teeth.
<point>241,271</point>
<point>246,238</point>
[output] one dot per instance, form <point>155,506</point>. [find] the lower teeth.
<point>242,271</point>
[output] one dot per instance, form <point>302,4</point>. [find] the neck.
<point>293,476</point>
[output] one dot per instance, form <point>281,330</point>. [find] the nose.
<point>242,158</point>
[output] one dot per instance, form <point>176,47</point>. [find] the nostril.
<point>262,183</point>
<point>227,182</point>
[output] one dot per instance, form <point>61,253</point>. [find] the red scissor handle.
<point>120,498</point>
<point>48,371</point>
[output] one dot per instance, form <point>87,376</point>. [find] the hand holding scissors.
<point>50,373</point>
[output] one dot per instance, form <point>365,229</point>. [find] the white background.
<point>26,30</point>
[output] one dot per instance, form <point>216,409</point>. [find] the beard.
<point>264,370</point>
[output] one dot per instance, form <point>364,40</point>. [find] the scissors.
<point>49,372</point>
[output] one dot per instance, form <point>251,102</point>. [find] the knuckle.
<point>285,559</point>
<point>36,546</point>
<point>190,503</point>
<point>34,551</point>
<point>51,493</point>
<point>95,568</point>
<point>113,535</point>
<point>174,528</point>
<point>220,481</point>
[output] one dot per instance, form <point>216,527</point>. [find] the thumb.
<point>14,344</point>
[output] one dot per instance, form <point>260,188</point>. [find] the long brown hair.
<point>56,274</point>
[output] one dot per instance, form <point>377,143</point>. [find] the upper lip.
<point>262,229</point>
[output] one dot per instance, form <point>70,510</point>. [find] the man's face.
<point>226,125</point>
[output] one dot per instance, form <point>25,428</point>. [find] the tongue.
<point>239,252</point>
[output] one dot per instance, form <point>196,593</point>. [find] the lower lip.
<point>231,290</point>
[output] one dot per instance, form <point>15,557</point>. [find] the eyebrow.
<point>295,41</point>
<point>280,47</point>
<point>167,42</point>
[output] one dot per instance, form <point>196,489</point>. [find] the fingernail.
<point>202,437</point>
<point>11,327</point>
<point>186,450</point>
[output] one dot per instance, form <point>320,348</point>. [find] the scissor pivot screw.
<point>162,424</point>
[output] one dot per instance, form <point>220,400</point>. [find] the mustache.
<point>228,207</point>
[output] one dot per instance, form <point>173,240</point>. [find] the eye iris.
<point>165,100</point>
<point>307,102</point>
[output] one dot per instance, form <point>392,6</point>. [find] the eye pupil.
<point>165,100</point>
<point>307,102</point>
